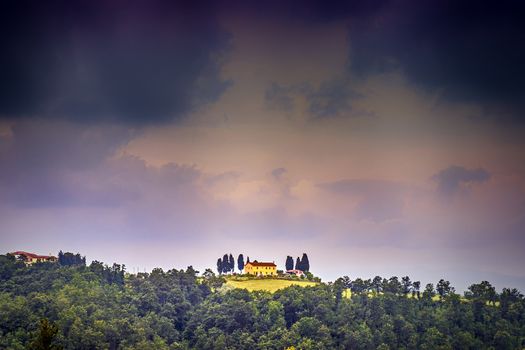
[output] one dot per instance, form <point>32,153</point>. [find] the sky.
<point>379,137</point>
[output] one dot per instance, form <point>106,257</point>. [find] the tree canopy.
<point>52,306</point>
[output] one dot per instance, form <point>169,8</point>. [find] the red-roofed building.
<point>260,268</point>
<point>31,258</point>
<point>298,273</point>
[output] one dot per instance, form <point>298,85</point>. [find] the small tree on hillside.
<point>240,262</point>
<point>219,266</point>
<point>289,263</point>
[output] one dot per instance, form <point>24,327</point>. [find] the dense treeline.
<point>51,306</point>
<point>69,259</point>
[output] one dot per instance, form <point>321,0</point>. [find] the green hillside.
<point>68,305</point>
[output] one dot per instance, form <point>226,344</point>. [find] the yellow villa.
<point>260,268</point>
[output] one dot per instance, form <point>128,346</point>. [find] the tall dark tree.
<point>225,263</point>
<point>289,263</point>
<point>298,265</point>
<point>219,266</point>
<point>305,263</point>
<point>240,262</point>
<point>247,259</point>
<point>407,284</point>
<point>232,263</point>
<point>61,257</point>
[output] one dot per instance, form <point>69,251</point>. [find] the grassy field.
<point>270,285</point>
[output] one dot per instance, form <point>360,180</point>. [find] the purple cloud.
<point>451,179</point>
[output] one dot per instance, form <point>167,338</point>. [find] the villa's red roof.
<point>34,256</point>
<point>256,263</point>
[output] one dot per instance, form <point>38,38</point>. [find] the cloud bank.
<point>141,62</point>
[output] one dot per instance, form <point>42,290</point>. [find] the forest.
<point>71,305</point>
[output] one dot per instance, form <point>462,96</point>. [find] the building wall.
<point>260,270</point>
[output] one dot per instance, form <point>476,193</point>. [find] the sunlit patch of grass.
<point>268,284</point>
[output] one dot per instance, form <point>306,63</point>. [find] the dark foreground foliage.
<point>49,306</point>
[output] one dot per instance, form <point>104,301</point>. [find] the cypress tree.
<point>232,263</point>
<point>219,266</point>
<point>305,263</point>
<point>240,262</point>
<point>298,265</point>
<point>289,263</point>
<point>225,264</point>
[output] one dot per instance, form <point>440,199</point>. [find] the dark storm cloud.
<point>451,179</point>
<point>132,61</point>
<point>317,11</point>
<point>469,51</point>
